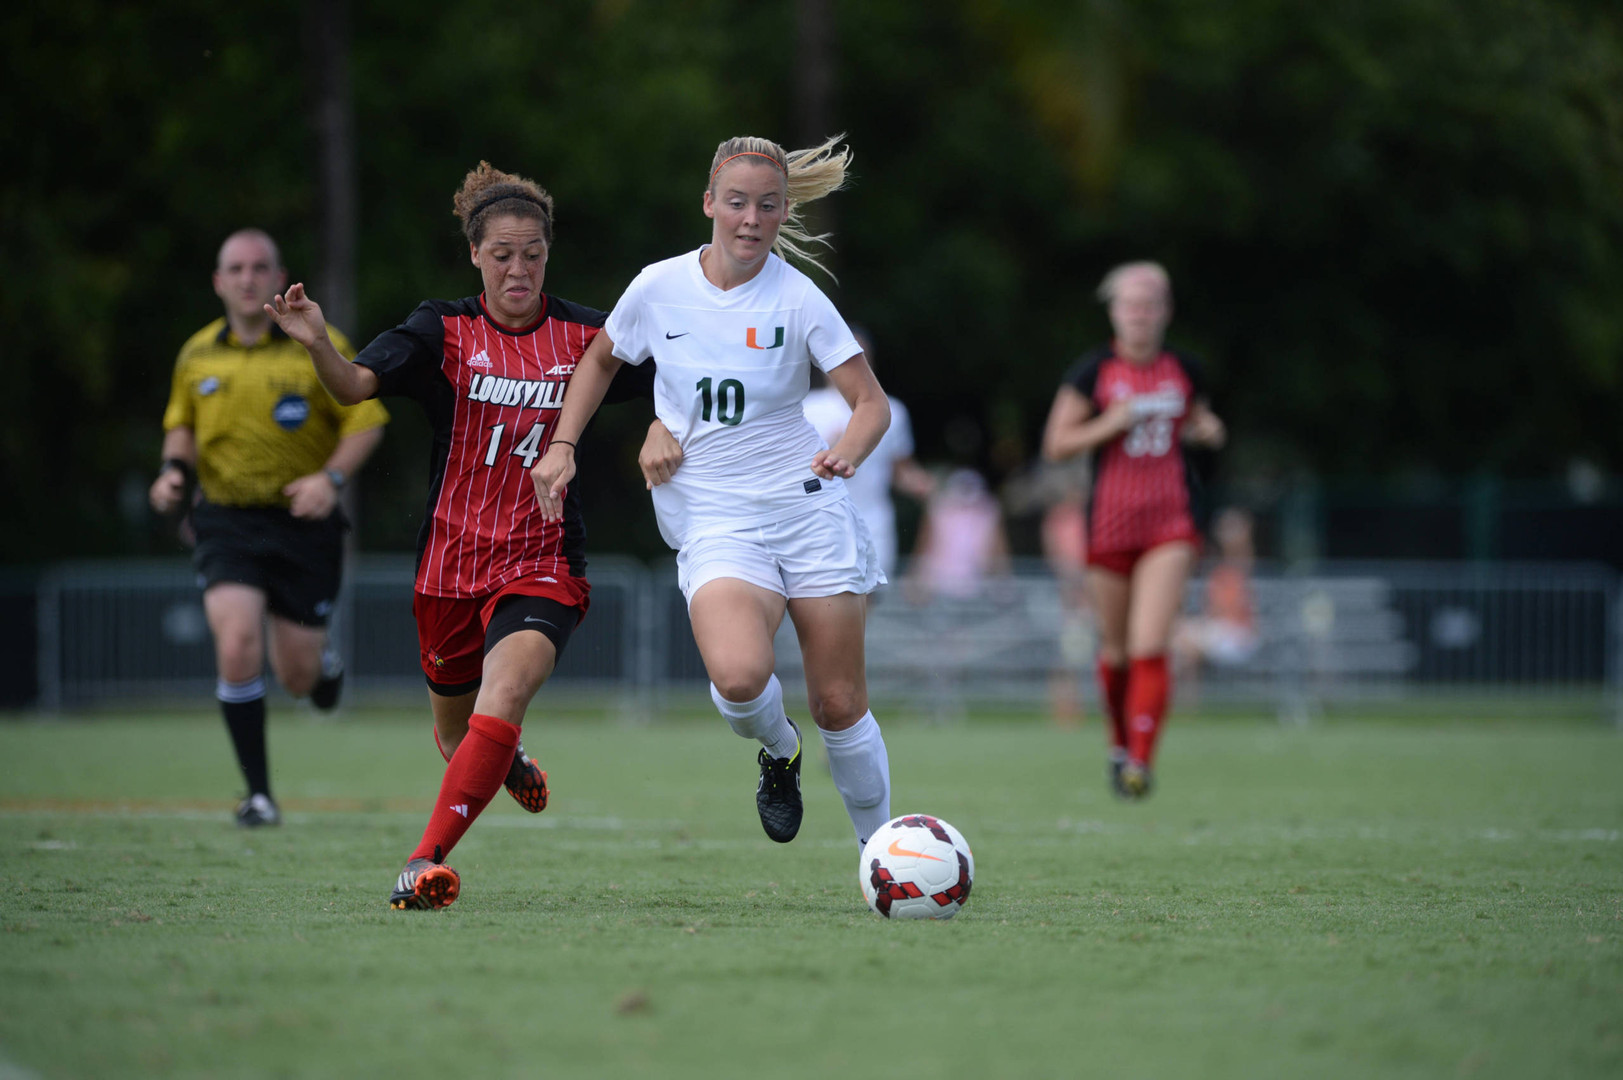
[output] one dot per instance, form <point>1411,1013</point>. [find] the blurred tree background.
<point>1394,226</point>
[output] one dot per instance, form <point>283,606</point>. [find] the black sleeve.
<point>408,359</point>
<point>631,382</point>
<point>1084,374</point>
<point>1196,370</point>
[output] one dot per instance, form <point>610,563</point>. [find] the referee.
<point>270,449</point>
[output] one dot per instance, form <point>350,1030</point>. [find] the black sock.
<point>246,722</point>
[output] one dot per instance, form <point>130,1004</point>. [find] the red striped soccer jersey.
<point>1144,492</point>
<point>492,396</point>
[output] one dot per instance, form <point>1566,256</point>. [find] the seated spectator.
<point>1225,633</point>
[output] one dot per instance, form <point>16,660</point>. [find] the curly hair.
<point>489,193</point>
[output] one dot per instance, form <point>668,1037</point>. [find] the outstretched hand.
<point>551,477</point>
<point>828,465</point>
<point>299,316</point>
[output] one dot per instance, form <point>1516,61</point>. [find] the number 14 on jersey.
<point>528,448</point>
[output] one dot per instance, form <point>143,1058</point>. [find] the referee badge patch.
<point>291,412</point>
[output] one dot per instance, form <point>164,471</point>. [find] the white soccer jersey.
<point>733,368</point>
<point>870,487</point>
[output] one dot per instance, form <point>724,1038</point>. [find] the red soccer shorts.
<point>1122,562</point>
<point>451,629</point>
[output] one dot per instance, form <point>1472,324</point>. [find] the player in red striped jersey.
<point>499,587</point>
<point>1134,405</point>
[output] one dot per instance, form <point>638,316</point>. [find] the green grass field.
<point>1354,899</point>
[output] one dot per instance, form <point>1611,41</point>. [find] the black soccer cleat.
<point>527,782</point>
<point>777,796</point>
<point>324,695</point>
<point>1114,766</point>
<point>425,884</point>
<point>1135,780</point>
<point>256,810</point>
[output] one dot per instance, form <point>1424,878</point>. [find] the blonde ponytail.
<point>808,175</point>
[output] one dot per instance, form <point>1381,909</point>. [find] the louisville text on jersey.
<point>525,393</point>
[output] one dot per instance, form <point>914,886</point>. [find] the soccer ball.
<point>916,867</point>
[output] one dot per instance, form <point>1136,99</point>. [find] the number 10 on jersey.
<point>728,402</point>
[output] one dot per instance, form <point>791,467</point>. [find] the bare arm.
<point>167,491</point>
<point>1203,428</point>
<point>587,386</point>
<point>912,479</point>
<point>1073,428</point>
<point>301,319</point>
<point>316,495</point>
<point>870,418</point>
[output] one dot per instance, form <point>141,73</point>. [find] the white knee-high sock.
<point>761,719</point>
<point>861,770</point>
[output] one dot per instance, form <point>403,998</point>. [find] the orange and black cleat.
<point>527,783</point>
<point>425,884</point>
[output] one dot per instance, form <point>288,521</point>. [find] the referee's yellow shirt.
<point>260,416</point>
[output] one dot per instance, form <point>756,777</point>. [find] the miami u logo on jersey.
<point>777,341</point>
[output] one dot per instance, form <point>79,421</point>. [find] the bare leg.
<point>295,654</point>
<point>830,629</point>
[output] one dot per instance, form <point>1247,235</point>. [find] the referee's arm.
<point>314,497</point>
<point>168,491</point>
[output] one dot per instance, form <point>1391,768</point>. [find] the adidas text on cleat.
<point>777,796</point>
<point>527,783</point>
<point>257,810</point>
<point>424,885</point>
<point>1135,780</point>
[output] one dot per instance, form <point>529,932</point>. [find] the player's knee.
<point>739,687</point>
<point>240,659</point>
<point>837,707</point>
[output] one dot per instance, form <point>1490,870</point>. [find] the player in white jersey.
<point>890,466</point>
<point>756,507</point>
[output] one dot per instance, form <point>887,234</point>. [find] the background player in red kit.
<point>499,588</point>
<point>1134,405</point>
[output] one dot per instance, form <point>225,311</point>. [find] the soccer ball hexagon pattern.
<point>916,867</point>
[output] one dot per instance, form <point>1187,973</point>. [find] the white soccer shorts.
<point>821,553</point>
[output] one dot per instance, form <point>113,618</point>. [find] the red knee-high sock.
<point>1113,692</point>
<point>439,745</point>
<point>1149,689</point>
<point>472,779</point>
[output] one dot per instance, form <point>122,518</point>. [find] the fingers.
<point>655,473</point>
<point>551,477</point>
<point>828,465</point>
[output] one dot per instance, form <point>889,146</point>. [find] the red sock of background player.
<point>439,745</point>
<point>1113,692</point>
<point>472,778</point>
<point>1148,690</point>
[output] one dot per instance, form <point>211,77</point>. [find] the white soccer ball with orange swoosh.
<point>916,867</point>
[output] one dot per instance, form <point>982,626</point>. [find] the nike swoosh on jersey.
<point>671,337</point>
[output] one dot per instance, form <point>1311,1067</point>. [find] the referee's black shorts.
<point>296,563</point>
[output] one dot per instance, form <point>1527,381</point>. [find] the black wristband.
<point>565,442</point>
<point>182,464</point>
